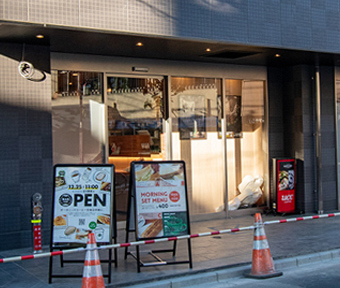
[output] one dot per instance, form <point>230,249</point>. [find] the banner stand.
<point>84,192</point>
<point>134,213</point>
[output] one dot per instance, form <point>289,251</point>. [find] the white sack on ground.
<point>250,192</point>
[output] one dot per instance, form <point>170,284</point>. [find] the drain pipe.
<point>318,141</point>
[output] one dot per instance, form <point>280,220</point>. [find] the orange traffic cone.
<point>92,274</point>
<point>262,264</point>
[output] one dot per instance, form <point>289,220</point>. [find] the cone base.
<point>264,276</point>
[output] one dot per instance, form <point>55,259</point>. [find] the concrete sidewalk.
<point>225,252</point>
<point>221,277</point>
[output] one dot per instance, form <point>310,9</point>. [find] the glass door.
<point>135,127</point>
<point>77,117</point>
<point>244,114</point>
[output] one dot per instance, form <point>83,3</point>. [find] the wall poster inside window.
<point>192,113</point>
<point>233,116</point>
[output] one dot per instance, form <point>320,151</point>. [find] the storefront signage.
<point>160,199</point>
<point>83,202</point>
<point>285,184</point>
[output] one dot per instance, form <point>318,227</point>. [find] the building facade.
<point>225,86</point>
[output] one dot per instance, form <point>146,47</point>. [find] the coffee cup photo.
<point>175,225</point>
<point>75,176</point>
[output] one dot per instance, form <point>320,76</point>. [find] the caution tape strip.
<point>302,218</point>
<point>121,245</point>
<point>136,243</point>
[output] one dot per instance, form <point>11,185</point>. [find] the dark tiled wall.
<point>328,143</point>
<point>25,146</point>
<point>276,125</point>
<point>299,128</point>
<point>291,130</point>
<point>300,24</point>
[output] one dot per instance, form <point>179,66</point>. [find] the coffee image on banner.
<point>175,223</point>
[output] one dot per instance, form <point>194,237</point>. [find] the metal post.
<point>106,112</point>
<point>318,140</point>
<point>36,221</point>
<point>81,143</point>
<point>168,118</point>
<point>224,139</point>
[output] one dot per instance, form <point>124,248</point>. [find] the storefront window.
<point>135,128</point>
<point>244,114</point>
<point>194,106</point>
<point>77,117</point>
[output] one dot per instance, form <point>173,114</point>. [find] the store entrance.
<point>135,128</point>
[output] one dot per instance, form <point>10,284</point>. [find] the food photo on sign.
<point>160,200</point>
<point>150,225</point>
<point>151,172</point>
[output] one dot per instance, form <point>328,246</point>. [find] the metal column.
<point>318,140</point>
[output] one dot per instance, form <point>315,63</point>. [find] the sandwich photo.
<point>144,174</point>
<point>153,229</point>
<point>168,171</point>
<point>283,180</point>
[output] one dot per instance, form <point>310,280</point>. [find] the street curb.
<point>223,274</point>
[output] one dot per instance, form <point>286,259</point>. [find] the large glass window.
<point>77,117</point>
<point>218,171</point>
<point>244,114</point>
<point>135,127</point>
<point>195,105</point>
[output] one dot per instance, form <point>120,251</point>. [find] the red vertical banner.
<point>285,185</point>
<point>37,237</point>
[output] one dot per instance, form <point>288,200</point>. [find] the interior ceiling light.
<point>208,49</point>
<point>39,36</point>
<point>277,55</point>
<point>139,44</point>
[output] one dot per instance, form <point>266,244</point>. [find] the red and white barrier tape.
<point>302,218</point>
<point>136,243</point>
<point>113,246</point>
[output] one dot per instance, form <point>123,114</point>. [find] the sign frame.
<point>284,181</point>
<point>133,218</point>
<point>91,183</point>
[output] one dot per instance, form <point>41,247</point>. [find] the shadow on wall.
<point>25,169</point>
